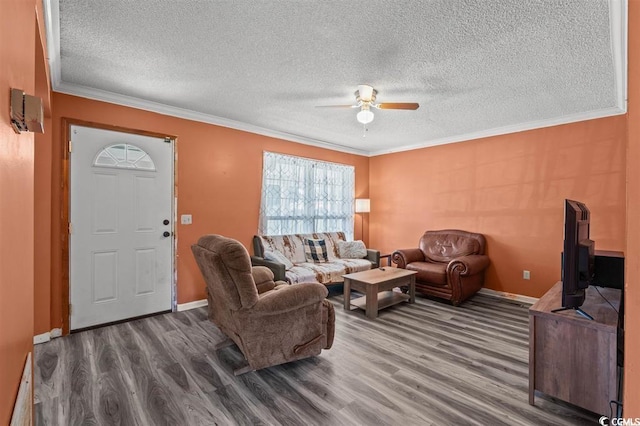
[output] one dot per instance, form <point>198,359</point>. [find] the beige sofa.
<point>301,271</point>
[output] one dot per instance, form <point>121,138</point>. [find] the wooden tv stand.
<point>570,357</point>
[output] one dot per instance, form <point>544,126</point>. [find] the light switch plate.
<point>185,219</point>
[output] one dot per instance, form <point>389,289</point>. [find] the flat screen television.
<point>577,257</point>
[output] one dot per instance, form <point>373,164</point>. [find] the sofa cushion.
<point>352,249</point>
<point>292,245</point>
<point>301,274</point>
<point>326,273</point>
<point>446,247</point>
<point>289,245</point>
<point>331,239</point>
<point>433,273</point>
<point>332,272</point>
<point>315,250</point>
<point>353,265</point>
<point>276,256</point>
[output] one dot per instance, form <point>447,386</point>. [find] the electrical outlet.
<point>185,219</point>
<point>526,275</point>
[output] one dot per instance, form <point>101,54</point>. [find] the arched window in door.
<point>124,156</point>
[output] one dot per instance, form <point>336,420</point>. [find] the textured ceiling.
<point>476,67</point>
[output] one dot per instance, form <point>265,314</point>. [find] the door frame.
<point>66,207</point>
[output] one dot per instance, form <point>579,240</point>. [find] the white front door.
<point>121,218</point>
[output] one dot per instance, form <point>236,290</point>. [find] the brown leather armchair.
<point>271,324</point>
<point>450,264</point>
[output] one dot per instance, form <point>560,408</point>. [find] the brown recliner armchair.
<point>450,264</point>
<point>271,324</point>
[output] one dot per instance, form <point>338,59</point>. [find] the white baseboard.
<point>42,338</point>
<point>510,296</point>
<point>45,337</point>
<point>22,413</point>
<point>192,305</point>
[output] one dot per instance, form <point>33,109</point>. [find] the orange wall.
<point>42,231</point>
<point>219,176</point>
<point>510,188</point>
<point>632,285</point>
<point>17,64</point>
<point>42,196</point>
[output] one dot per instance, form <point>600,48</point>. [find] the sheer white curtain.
<point>300,195</point>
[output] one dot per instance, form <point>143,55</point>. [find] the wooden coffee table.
<point>377,284</point>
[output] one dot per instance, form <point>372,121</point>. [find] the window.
<point>124,156</point>
<point>300,196</point>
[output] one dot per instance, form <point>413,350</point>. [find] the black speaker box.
<point>609,269</point>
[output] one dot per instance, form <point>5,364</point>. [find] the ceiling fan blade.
<point>336,106</point>
<point>398,105</point>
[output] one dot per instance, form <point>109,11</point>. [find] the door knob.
<point>165,222</point>
<point>166,234</point>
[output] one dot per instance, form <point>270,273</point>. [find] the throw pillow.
<point>276,256</point>
<point>352,249</point>
<point>315,250</point>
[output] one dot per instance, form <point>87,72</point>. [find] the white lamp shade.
<point>363,205</point>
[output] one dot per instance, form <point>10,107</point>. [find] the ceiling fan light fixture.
<point>365,116</point>
<point>366,100</point>
<point>365,93</point>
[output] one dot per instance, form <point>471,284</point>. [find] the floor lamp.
<point>363,205</point>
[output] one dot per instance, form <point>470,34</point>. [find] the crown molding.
<point>618,25</point>
<point>52,23</point>
<point>142,104</point>
<point>520,127</point>
<point>51,10</point>
<point>129,101</point>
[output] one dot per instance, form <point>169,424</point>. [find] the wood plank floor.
<point>422,364</point>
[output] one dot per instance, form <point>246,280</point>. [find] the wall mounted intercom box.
<point>26,112</point>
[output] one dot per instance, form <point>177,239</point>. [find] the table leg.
<point>346,293</point>
<point>532,359</point>
<point>412,289</point>
<point>372,301</point>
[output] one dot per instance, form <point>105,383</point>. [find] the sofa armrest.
<point>258,249</point>
<point>403,257</point>
<point>263,278</point>
<point>278,269</point>
<point>468,265</point>
<point>373,256</point>
<point>261,274</point>
<point>290,298</point>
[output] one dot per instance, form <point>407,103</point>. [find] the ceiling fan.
<point>366,99</point>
